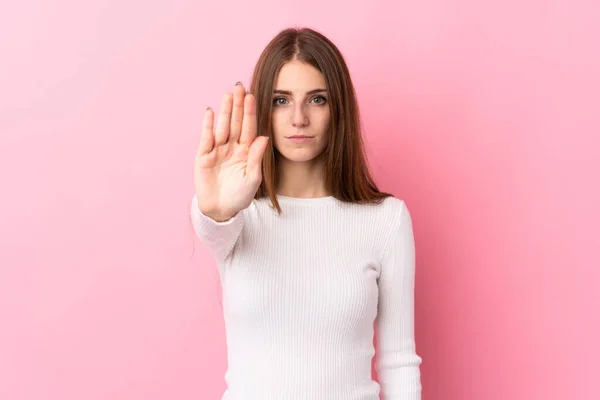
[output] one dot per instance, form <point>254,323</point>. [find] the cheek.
<point>278,122</point>
<point>321,120</point>
<point>278,126</point>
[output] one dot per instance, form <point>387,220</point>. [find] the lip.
<point>300,138</point>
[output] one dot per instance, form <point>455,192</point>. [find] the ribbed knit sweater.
<point>306,292</point>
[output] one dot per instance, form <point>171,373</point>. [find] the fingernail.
<point>208,108</point>
<point>238,83</point>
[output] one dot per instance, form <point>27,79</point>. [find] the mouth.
<point>299,138</point>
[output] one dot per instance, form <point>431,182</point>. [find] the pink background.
<point>483,116</point>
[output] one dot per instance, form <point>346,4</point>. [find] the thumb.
<point>255,155</point>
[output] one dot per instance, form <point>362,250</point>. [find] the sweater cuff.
<point>211,230</point>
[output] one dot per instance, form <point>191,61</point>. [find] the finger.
<point>222,131</point>
<point>237,115</point>
<point>256,153</point>
<point>249,123</point>
<point>207,139</point>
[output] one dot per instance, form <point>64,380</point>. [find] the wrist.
<point>218,216</point>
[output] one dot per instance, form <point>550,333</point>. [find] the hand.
<point>228,164</point>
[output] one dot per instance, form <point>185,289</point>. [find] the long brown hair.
<point>347,173</point>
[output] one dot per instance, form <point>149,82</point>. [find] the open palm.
<point>227,171</point>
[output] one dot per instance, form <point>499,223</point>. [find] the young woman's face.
<point>300,112</point>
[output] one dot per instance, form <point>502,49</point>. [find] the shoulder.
<point>391,212</point>
<point>393,204</point>
<point>395,223</point>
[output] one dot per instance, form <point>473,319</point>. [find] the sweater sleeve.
<point>398,365</point>
<point>218,237</point>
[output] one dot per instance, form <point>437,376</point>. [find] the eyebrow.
<point>287,92</point>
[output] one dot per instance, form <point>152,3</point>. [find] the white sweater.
<point>303,292</point>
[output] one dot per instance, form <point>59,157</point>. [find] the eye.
<point>319,100</point>
<point>279,101</point>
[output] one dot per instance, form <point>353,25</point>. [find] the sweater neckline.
<point>306,200</point>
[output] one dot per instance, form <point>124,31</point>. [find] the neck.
<point>301,179</point>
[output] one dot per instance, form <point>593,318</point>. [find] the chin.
<point>298,155</point>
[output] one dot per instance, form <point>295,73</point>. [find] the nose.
<point>299,116</point>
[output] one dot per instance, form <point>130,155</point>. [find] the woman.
<point>311,255</point>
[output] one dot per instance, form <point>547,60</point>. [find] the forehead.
<point>298,76</point>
